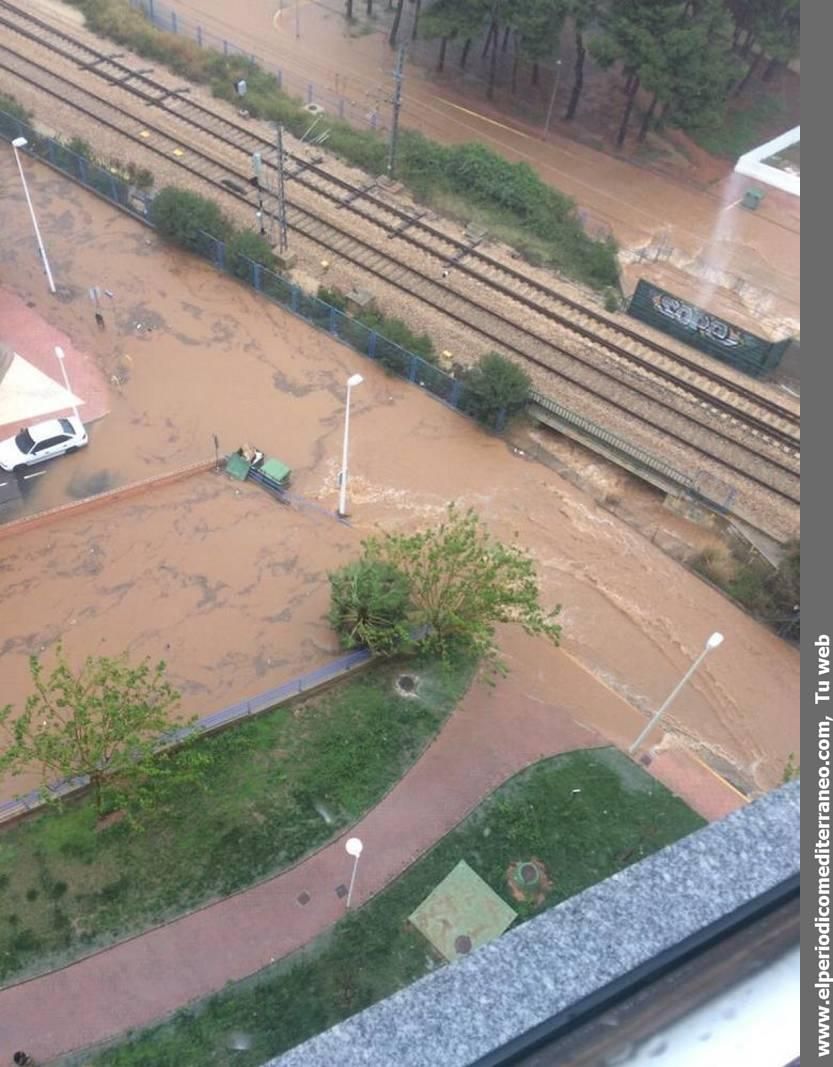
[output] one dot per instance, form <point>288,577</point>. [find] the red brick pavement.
<point>24,331</point>
<point>494,733</point>
<point>698,785</point>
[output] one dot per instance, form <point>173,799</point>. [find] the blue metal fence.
<point>93,176</point>
<point>362,338</point>
<point>217,720</point>
<point>360,108</point>
<point>324,316</point>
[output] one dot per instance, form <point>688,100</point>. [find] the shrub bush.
<point>10,105</point>
<point>400,333</point>
<point>81,148</point>
<point>243,245</point>
<point>334,297</point>
<point>182,216</point>
<point>496,384</point>
<point>370,601</point>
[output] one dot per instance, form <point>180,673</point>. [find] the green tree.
<point>791,769</point>
<point>769,28</point>
<point>463,582</point>
<point>452,19</point>
<point>183,216</point>
<point>583,14</point>
<point>247,245</point>
<point>104,721</point>
<point>680,54</point>
<point>631,32</point>
<point>496,384</point>
<point>699,68</point>
<point>538,25</point>
<point>369,606</point>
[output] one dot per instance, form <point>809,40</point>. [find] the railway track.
<point>772,421</point>
<point>523,341</point>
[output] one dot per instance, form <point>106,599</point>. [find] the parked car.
<point>45,440</point>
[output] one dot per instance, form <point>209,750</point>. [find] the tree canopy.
<point>370,603</point>
<point>496,385</point>
<point>461,583</point>
<point>686,54</point>
<point>103,721</point>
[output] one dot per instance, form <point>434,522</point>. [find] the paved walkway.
<point>495,732</point>
<point>31,389</point>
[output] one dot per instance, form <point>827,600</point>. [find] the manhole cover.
<point>406,682</point>
<point>462,945</point>
<point>528,873</point>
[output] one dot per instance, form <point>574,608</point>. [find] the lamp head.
<point>59,352</point>
<point>353,847</point>
<point>353,380</point>
<point>715,640</point>
<point>20,142</point>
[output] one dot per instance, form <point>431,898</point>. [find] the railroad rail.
<point>584,321</point>
<point>522,341</point>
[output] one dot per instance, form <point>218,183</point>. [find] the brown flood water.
<point>230,587</point>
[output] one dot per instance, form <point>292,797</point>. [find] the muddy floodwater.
<point>230,587</point>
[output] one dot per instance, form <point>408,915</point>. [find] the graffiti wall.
<point>700,329</point>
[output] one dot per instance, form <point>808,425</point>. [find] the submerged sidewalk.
<point>495,732</point>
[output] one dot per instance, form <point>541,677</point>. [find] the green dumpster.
<point>238,467</point>
<point>277,472</point>
<point>752,199</point>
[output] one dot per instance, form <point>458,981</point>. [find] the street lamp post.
<point>714,641</point>
<point>18,143</point>
<point>353,847</point>
<point>553,96</point>
<point>352,382</point>
<point>59,352</point>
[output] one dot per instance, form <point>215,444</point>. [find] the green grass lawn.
<point>277,786</point>
<point>746,125</point>
<point>619,816</point>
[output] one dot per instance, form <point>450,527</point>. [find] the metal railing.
<point>633,453</point>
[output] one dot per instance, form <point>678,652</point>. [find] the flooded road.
<point>230,588</point>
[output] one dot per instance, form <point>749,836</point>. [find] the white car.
<point>34,444</point>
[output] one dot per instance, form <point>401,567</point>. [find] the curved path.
<point>495,732</point>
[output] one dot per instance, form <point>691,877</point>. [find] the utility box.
<point>752,199</point>
<point>359,300</point>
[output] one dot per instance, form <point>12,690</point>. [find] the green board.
<point>238,467</point>
<point>277,471</point>
<point>462,914</point>
<point>700,329</point>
